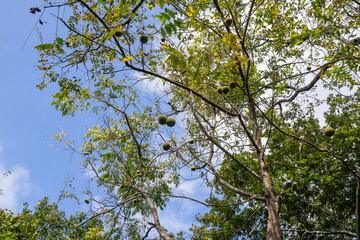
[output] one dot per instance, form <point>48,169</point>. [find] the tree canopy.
<point>235,94</point>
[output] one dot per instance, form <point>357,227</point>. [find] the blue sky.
<point>38,163</point>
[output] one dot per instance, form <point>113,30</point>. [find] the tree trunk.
<point>273,204</point>
<point>272,200</point>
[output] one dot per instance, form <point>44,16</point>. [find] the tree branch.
<point>222,181</point>
<point>106,211</point>
<point>307,87</point>
<point>213,140</point>
<point>248,20</point>
<point>147,233</point>
<point>206,204</point>
<point>154,213</point>
<point>347,233</point>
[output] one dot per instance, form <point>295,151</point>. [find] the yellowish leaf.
<point>45,68</point>
<point>234,36</point>
<point>190,11</point>
<point>243,59</point>
<point>150,6</point>
<point>142,52</point>
<point>217,58</point>
<point>119,28</point>
<point>126,58</point>
<point>164,46</point>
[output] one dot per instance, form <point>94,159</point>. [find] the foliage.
<point>245,80</point>
<point>48,222</point>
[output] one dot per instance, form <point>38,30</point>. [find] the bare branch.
<point>253,229</point>
<point>147,233</point>
<point>307,87</point>
<point>213,140</point>
<point>248,20</point>
<point>223,182</point>
<point>106,211</point>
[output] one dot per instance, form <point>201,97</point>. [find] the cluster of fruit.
<point>226,89</point>
<point>170,122</point>
<point>165,120</point>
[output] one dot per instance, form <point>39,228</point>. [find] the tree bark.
<point>157,224</point>
<point>272,199</point>
<point>273,202</point>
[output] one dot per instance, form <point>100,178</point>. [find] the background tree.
<point>246,79</point>
<point>46,221</point>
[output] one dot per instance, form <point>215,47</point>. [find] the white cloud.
<point>174,222</point>
<point>14,187</point>
<point>149,84</point>
<point>188,187</point>
<point>89,173</point>
<point>155,86</point>
<point>178,215</point>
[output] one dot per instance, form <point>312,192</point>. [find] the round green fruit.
<point>170,122</point>
<point>144,39</point>
<point>87,201</point>
<point>225,90</point>
<point>118,34</point>
<point>193,168</point>
<point>219,90</point>
<point>308,68</point>
<point>232,85</point>
<point>237,3</point>
<point>191,141</point>
<point>329,131</point>
<point>163,39</point>
<point>162,119</point>
<point>228,22</point>
<point>166,146</point>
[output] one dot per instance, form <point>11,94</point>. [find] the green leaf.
<point>60,41</point>
<point>165,16</point>
<point>174,60</point>
<point>44,46</point>
<point>171,13</point>
<point>168,29</point>
<point>163,32</point>
<point>161,18</point>
<point>153,63</point>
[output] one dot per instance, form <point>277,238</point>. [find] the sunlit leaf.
<point>126,58</point>
<point>44,46</point>
<point>45,68</point>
